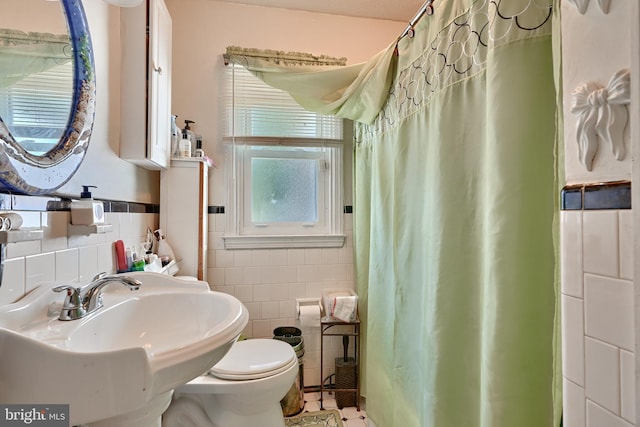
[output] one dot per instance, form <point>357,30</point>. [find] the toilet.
<point>243,389</point>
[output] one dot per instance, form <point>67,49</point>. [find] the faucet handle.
<point>71,290</point>
<point>73,295</point>
<point>99,276</point>
<point>72,306</point>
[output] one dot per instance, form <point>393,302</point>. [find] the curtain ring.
<point>429,9</point>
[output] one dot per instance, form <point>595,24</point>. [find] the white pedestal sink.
<point>119,365</point>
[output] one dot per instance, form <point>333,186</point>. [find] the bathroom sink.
<point>138,346</point>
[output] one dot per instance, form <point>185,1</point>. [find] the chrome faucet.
<point>82,301</point>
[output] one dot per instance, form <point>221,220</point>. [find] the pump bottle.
<point>190,135</point>
<point>87,211</point>
<point>184,148</point>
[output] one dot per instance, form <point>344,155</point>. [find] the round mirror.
<point>47,93</point>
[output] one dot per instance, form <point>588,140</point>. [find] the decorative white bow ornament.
<point>602,114</point>
<point>583,4</point>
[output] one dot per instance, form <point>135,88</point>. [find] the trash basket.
<point>293,402</point>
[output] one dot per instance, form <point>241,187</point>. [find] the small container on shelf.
<point>87,211</point>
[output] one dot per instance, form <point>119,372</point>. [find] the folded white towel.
<point>345,308</point>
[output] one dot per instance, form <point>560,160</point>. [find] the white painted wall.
<point>595,45</point>
<point>203,29</point>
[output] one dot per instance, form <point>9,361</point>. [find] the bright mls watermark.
<point>34,415</point>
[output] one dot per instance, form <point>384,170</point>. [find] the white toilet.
<point>243,389</point>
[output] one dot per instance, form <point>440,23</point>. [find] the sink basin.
<point>119,359</point>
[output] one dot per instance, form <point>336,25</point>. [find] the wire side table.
<point>335,328</point>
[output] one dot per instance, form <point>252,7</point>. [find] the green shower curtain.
<point>455,196</point>
<point>454,205</point>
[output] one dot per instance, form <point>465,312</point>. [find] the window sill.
<point>284,242</point>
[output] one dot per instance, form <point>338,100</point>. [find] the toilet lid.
<point>253,359</point>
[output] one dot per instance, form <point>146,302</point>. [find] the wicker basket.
<point>346,377</point>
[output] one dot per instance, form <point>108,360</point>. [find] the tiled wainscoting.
<point>597,306</point>
<point>268,282</point>
<point>67,258</point>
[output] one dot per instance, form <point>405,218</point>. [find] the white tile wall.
<point>602,374</point>
<point>571,253</point>
<point>627,385</point>
<point>573,339</point>
<point>609,310</point>
<point>597,318</point>
<point>269,281</point>
<point>599,417</point>
<point>600,242</point>
<point>266,281</point>
<point>625,222</point>
<point>574,405</point>
<point>13,280</point>
<point>66,258</point>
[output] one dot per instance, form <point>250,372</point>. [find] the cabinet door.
<point>160,33</point>
<point>145,125</point>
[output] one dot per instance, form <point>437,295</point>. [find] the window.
<point>39,129</point>
<point>284,169</point>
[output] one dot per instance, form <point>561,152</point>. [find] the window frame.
<point>249,226</point>
<point>239,237</point>
<point>240,140</point>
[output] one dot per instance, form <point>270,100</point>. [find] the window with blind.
<point>285,167</point>
<point>37,108</point>
<point>256,111</point>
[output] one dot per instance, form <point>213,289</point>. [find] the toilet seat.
<point>254,359</point>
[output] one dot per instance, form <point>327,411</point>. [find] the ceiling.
<point>395,10</point>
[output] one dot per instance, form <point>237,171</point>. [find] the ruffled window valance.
<point>324,84</point>
<point>241,56</point>
<point>23,54</point>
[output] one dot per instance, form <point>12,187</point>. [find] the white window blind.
<point>285,171</point>
<point>38,106</point>
<point>256,112</point>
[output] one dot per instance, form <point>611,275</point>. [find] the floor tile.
<point>351,417</point>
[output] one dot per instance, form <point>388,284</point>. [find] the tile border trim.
<point>18,202</point>
<point>596,196</point>
<point>54,204</point>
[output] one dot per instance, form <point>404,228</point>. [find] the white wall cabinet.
<point>145,130</point>
<point>184,214</point>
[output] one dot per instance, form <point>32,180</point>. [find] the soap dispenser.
<point>190,136</point>
<point>184,148</point>
<point>87,211</point>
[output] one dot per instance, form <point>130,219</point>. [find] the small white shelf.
<point>85,230</point>
<point>171,269</point>
<point>204,160</point>
<point>22,235</point>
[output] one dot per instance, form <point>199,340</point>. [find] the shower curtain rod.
<point>426,8</point>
